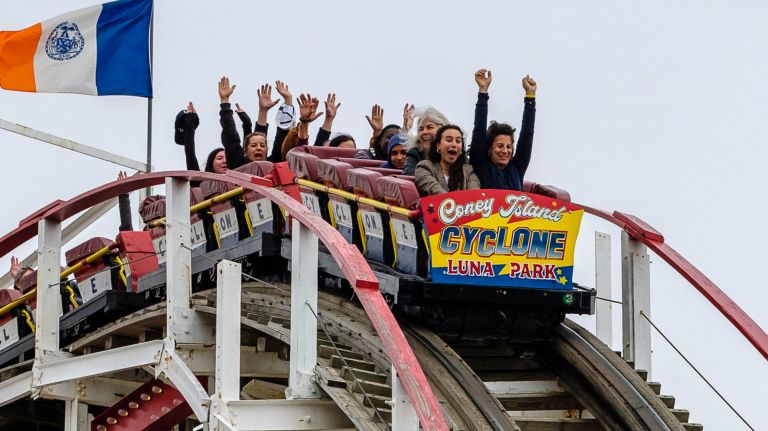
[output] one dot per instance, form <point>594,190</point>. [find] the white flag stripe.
<point>76,74</point>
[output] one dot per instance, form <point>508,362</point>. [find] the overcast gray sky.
<point>653,108</point>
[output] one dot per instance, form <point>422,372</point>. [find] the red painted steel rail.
<point>643,232</point>
<point>348,257</point>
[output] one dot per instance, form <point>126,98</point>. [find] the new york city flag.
<point>99,50</point>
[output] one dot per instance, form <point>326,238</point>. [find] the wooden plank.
<point>550,424</point>
<point>539,401</point>
<point>357,413</point>
<point>262,390</point>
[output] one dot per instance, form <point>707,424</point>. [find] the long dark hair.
<point>210,159</point>
<point>456,172</point>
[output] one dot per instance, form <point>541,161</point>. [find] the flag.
<point>100,50</point>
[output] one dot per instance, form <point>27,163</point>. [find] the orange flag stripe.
<point>17,51</point>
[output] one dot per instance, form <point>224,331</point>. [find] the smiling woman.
<point>446,169</point>
<point>492,153</point>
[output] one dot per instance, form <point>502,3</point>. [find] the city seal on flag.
<point>65,42</point>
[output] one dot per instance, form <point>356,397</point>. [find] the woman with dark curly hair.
<point>446,169</point>
<point>492,153</point>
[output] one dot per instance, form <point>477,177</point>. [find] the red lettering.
<point>526,272</point>
<point>474,268</point>
<point>488,270</point>
<point>550,272</point>
<point>451,270</point>
<point>538,271</point>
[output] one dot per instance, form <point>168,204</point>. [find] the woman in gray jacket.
<point>446,168</point>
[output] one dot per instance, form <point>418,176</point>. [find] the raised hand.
<point>331,106</point>
<point>225,90</point>
<point>121,175</point>
<point>191,108</point>
<point>308,108</point>
<point>408,117</point>
<point>265,98</point>
<point>529,85</point>
<point>483,78</point>
<point>245,118</point>
<point>284,92</point>
<point>15,266</point>
<point>376,120</point>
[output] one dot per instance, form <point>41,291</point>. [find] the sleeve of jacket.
<point>247,124</point>
<point>426,182</point>
<point>277,146</point>
<point>229,137</point>
<point>263,129</point>
<point>478,147</point>
<point>525,143</point>
<point>322,136</point>
<point>124,203</point>
<point>411,160</point>
<point>473,182</point>
<point>189,145</point>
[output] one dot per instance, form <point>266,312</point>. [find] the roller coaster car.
<point>16,324</point>
<point>105,288</point>
<point>474,264</point>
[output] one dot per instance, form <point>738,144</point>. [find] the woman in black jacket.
<point>496,161</point>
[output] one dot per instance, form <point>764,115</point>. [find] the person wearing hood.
<point>396,152</point>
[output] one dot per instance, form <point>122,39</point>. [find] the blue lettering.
<point>521,238</point>
<point>501,246</point>
<point>486,243</point>
<point>448,242</point>
<point>470,234</point>
<point>556,245</point>
<point>539,239</point>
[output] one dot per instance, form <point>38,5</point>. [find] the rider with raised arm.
<point>324,132</point>
<point>492,153</point>
<point>255,143</point>
<point>381,135</point>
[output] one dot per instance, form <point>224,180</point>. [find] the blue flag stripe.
<point>122,36</point>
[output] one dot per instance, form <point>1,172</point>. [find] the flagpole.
<point>149,99</point>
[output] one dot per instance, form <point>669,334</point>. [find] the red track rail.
<point>643,232</point>
<point>351,262</point>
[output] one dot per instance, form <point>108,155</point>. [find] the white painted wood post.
<point>178,259</point>
<point>228,288</point>
<point>75,416</point>
<point>603,309</point>
<point>48,297</point>
<point>636,298</point>
<point>304,255</point>
<point>404,416</point>
<point>227,371</point>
